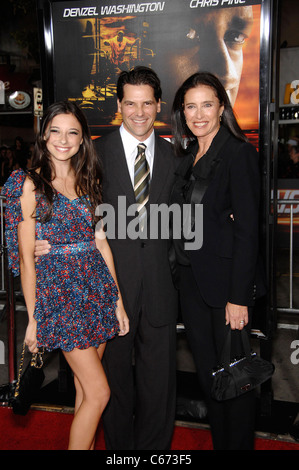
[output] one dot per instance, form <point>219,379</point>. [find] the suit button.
<point>254,292</point>
<point>143,244</point>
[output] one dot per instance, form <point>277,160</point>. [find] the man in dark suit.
<point>141,367</point>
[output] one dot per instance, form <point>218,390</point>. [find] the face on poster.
<point>176,38</point>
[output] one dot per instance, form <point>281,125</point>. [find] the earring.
<point>220,118</point>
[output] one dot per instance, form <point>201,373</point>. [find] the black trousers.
<point>141,411</point>
<point>232,421</point>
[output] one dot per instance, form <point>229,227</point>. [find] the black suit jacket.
<point>141,265</point>
<point>226,267</point>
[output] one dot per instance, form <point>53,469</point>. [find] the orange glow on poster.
<point>247,103</point>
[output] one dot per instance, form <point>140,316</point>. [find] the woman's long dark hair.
<point>86,164</point>
<point>179,128</point>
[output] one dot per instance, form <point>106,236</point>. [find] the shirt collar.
<point>130,143</point>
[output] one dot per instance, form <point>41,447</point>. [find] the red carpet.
<point>48,430</point>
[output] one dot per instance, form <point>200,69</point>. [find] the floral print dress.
<point>75,292</point>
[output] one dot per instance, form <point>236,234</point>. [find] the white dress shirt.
<point>130,145</point>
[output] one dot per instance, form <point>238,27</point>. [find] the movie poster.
<point>94,41</point>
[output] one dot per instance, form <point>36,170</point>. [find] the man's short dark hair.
<point>139,76</point>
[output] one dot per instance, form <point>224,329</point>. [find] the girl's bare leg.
<point>79,390</point>
<point>94,394</point>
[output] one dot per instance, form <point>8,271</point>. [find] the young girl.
<point>71,294</point>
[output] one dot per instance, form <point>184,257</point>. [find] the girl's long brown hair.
<point>86,164</point>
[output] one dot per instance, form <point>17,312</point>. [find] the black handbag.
<point>233,378</point>
<point>28,384</point>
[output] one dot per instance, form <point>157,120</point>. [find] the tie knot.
<point>141,148</point>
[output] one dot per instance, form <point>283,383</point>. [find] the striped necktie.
<point>141,183</point>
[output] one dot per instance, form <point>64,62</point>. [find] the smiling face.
<point>63,137</point>
<point>139,109</point>
<point>202,112</point>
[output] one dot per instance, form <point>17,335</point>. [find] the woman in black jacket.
<point>219,170</point>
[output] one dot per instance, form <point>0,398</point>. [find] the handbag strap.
<point>226,351</point>
<point>16,394</point>
<point>246,343</point>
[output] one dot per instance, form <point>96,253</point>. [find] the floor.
<point>278,406</point>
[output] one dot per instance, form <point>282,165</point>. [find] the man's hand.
<point>123,321</point>
<point>42,247</point>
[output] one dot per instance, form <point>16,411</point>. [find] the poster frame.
<point>266,115</point>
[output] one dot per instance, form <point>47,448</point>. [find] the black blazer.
<point>140,264</point>
<point>225,267</point>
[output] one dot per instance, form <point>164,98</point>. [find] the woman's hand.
<point>123,320</point>
<point>30,336</point>
<point>236,316</point>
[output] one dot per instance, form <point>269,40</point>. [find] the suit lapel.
<point>120,168</point>
<point>160,173</point>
